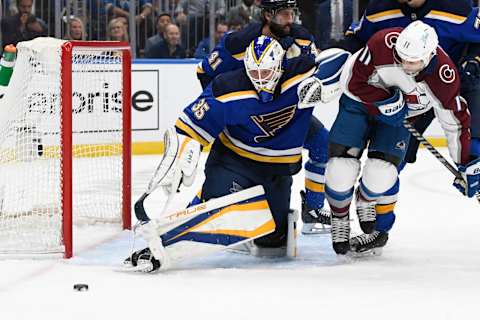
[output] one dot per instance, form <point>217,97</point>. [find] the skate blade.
<point>368,253</point>
<point>315,228</point>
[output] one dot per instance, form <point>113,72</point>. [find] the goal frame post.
<point>66,133</point>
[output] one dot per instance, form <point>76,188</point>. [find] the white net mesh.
<point>30,145</point>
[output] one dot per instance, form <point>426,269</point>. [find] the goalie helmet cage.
<point>65,143</point>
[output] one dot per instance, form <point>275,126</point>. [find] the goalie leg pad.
<point>217,224</point>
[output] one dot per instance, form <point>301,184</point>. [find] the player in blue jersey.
<point>256,119</point>
<point>457,24</point>
<point>278,17</point>
<point>277,22</point>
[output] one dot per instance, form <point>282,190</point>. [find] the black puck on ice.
<point>80,287</point>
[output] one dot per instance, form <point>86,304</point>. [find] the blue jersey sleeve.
<point>205,118</point>
<point>219,61</point>
<point>470,29</point>
<point>363,30</point>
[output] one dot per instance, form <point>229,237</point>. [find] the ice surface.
<point>430,269</point>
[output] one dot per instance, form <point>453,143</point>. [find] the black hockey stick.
<point>434,151</point>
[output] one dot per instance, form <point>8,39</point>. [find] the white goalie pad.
<point>209,227</point>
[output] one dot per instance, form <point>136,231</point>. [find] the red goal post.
<point>65,143</point>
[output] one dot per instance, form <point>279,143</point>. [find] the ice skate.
<point>141,261</point>
<point>340,234</point>
<point>366,214</point>
<point>366,244</point>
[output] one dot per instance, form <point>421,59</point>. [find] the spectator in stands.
<point>330,28</point>
<point>118,8</point>
<point>117,30</point>
<point>235,25</point>
<point>170,48</point>
<point>203,48</point>
<point>143,17</point>
<point>246,11</point>
<point>193,14</point>
<point>22,26</point>
<point>161,22</point>
<point>75,30</point>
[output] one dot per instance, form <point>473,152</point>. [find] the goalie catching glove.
<point>179,163</point>
<point>470,184</point>
<point>324,86</point>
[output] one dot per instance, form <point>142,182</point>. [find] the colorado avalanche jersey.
<point>456,22</point>
<point>271,133</point>
<point>371,72</point>
<point>228,54</point>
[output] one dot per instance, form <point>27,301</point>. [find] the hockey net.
<point>64,143</point>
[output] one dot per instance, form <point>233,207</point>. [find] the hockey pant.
<point>224,174</point>
<point>353,129</point>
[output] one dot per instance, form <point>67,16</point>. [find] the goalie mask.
<point>416,46</point>
<point>263,64</point>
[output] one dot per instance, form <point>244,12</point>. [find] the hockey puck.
<point>80,287</point>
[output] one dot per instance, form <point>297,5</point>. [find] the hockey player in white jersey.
<point>399,74</point>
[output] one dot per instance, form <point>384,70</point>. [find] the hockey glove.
<point>470,184</point>
<point>179,163</point>
<point>393,110</point>
<point>470,73</point>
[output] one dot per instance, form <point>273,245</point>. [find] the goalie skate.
<point>141,261</point>
<point>369,244</point>
<point>315,221</point>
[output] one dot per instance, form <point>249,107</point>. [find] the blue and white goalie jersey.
<point>271,133</point>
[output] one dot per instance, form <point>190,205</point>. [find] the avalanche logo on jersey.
<point>391,39</point>
<point>447,74</point>
<point>271,122</point>
<point>417,100</point>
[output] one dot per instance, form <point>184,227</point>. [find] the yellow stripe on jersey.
<point>238,95</point>
<point>239,56</point>
<point>385,15</point>
<point>314,186</point>
<point>200,69</point>
<point>255,156</point>
<point>303,42</point>
<point>384,208</point>
<point>192,133</point>
<point>297,79</point>
<point>252,206</point>
<point>446,16</point>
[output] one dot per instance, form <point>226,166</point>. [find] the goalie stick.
<point>171,145</point>
<point>434,151</point>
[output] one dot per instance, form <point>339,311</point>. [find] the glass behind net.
<point>30,145</point>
